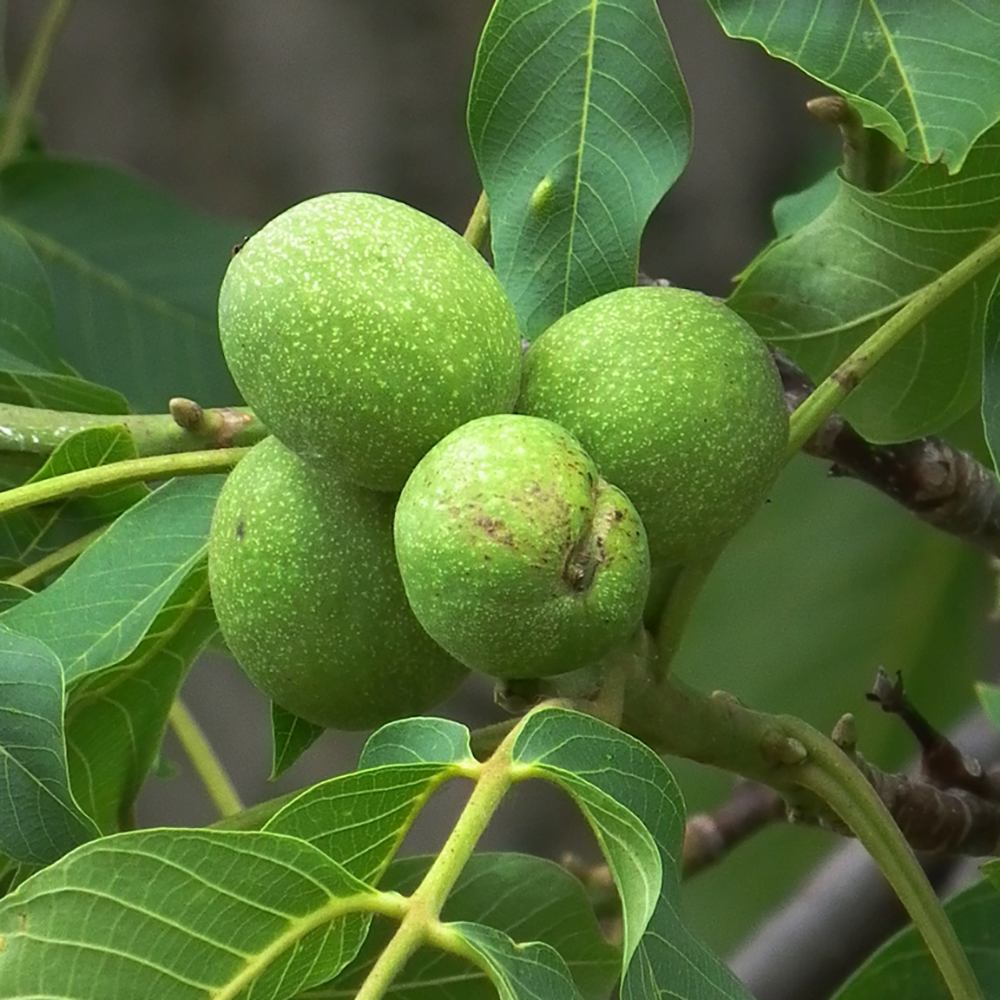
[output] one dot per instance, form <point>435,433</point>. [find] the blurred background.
<point>243,107</point>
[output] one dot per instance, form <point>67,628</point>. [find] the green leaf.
<point>527,898</point>
<point>576,753</point>
<point>29,534</point>
<point>31,371</point>
<point>11,594</point>
<point>115,718</point>
<point>903,969</point>
<point>135,278</point>
<point>88,449</point>
<point>991,373</point>
<point>819,293</point>
<point>896,63</point>
<point>579,123</point>
<point>359,819</point>
<point>39,819</point>
<point>794,211</point>
<point>27,316</point>
<point>518,971</point>
<point>97,612</point>
<point>180,914</point>
<point>608,772</point>
<point>989,698</point>
<point>291,737</point>
<point>419,740</point>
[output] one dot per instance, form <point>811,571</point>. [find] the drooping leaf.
<point>135,278</point>
<point>517,971</point>
<point>635,807</point>
<point>39,818</point>
<point>579,123</point>
<point>291,737</point>
<point>820,292</point>
<point>97,612</point>
<point>903,969</point>
<point>359,819</point>
<point>417,741</point>
<point>991,373</point>
<point>895,62</point>
<point>180,914</point>
<point>31,371</point>
<point>525,897</point>
<point>115,718</point>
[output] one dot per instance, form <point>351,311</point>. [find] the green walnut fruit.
<point>516,556</point>
<point>308,596</point>
<point>677,400</point>
<point>361,331</point>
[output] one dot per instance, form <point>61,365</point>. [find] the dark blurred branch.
<point>942,485</point>
<point>709,837</point>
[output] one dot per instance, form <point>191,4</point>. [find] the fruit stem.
<point>846,377</point>
<point>187,427</point>
<point>203,759</point>
<point>133,470</point>
<point>36,62</point>
<point>55,560</point>
<point>421,923</point>
<point>676,614</point>
<point>478,228</point>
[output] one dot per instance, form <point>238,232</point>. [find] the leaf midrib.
<point>581,147</point>
<point>51,248</point>
<point>904,78</point>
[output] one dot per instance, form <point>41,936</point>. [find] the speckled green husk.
<point>677,400</point>
<point>516,556</point>
<point>309,599</point>
<point>361,331</point>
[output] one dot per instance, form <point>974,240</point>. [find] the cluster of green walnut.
<point>433,499</point>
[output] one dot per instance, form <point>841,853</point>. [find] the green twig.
<point>134,470</point>
<point>830,393</point>
<point>36,62</point>
<point>187,427</point>
<point>808,769</point>
<point>421,923</point>
<point>834,779</point>
<point>54,560</point>
<point>478,229</point>
<point>206,764</point>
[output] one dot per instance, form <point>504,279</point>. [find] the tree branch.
<point>943,486</point>
<point>187,427</point>
<point>709,837</point>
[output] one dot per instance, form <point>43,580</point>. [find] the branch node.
<point>780,749</point>
<point>186,413</point>
<point>845,734</point>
